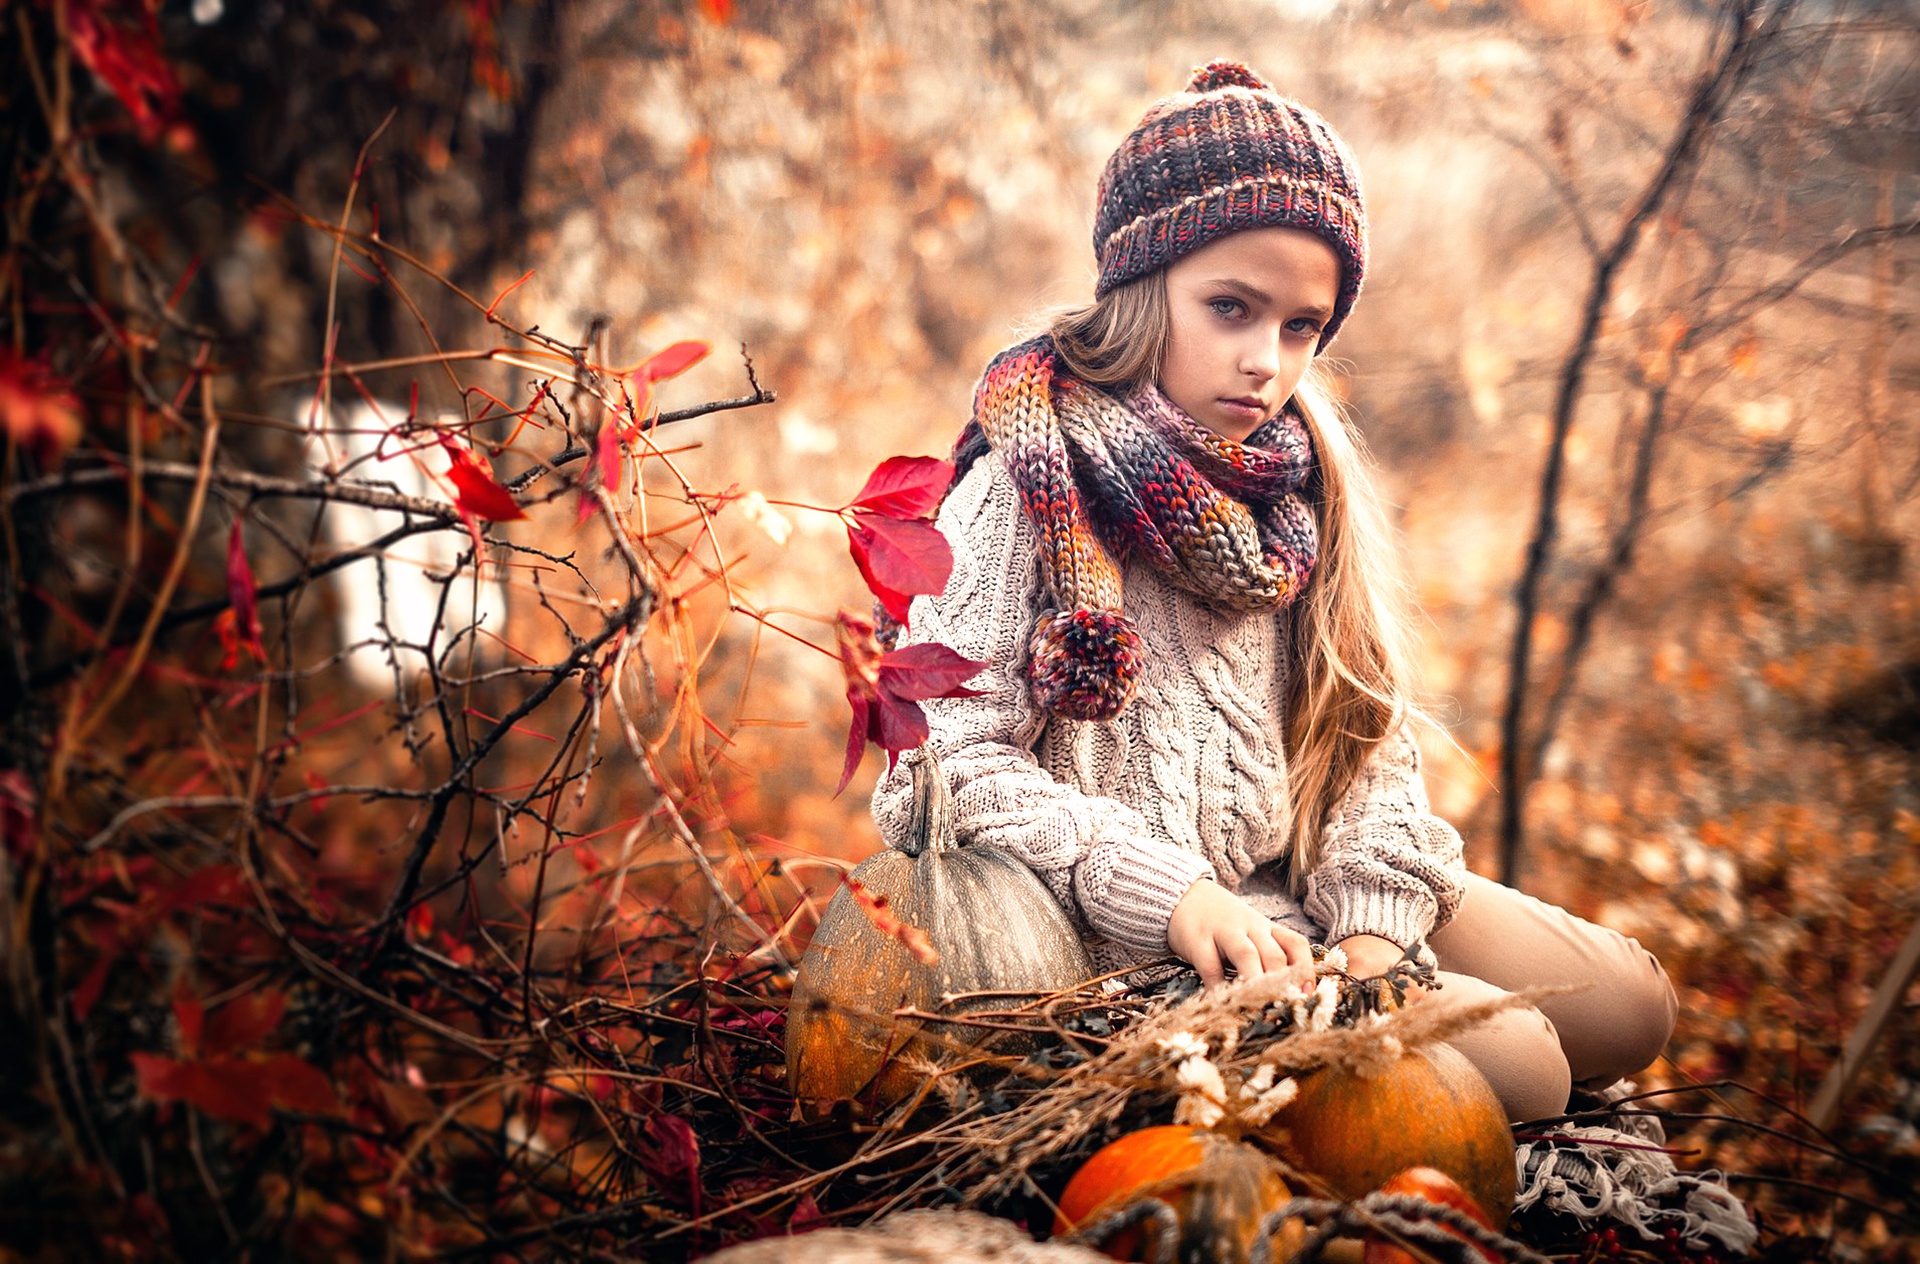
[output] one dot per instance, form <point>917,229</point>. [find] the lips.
<point>1245,407</point>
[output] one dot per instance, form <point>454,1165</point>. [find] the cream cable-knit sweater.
<point>1120,817</point>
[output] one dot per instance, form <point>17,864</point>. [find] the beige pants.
<point>1502,941</point>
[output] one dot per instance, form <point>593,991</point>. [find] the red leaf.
<point>606,456</point>
<point>858,734</point>
<point>243,1022</point>
<point>885,690</point>
<point>212,885</point>
<point>235,1089</point>
<point>899,558</point>
<point>17,829</point>
<point>671,1155</point>
<point>928,671</point>
<point>189,1013</point>
<point>162,1079</point>
<point>476,494</point>
<point>899,724</point>
<point>672,361</point>
<point>86,994</point>
<point>241,592</point>
<point>127,59</point>
<point>905,487</point>
<point>860,663</point>
<point>294,1083</point>
<point>881,914</point>
<point>721,12</point>
<point>226,626</point>
<point>38,411</point>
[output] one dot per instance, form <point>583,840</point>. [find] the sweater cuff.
<point>1398,915</point>
<point>1148,880</point>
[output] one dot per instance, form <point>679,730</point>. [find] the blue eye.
<point>1305,326</point>
<point>1226,306</point>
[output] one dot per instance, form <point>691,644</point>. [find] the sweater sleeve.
<point>1094,853</point>
<point>1388,865</point>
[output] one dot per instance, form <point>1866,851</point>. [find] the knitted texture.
<point>1103,480</point>
<point>1120,816</point>
<point>1228,153</point>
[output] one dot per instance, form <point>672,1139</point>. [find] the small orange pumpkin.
<point>1219,1190</point>
<point>1437,1187</point>
<point>1428,1107</point>
<point>994,926</point>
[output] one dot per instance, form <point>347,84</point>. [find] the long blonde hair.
<point>1350,679</point>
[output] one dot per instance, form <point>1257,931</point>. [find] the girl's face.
<point>1246,314</point>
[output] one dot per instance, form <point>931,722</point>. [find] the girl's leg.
<point>1615,1025</point>
<point>1517,1050</point>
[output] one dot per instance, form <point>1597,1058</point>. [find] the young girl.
<point>1194,720</point>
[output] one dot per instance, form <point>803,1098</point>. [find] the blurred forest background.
<point>399,926</point>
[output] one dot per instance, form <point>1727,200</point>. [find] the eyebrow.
<point>1259,295</point>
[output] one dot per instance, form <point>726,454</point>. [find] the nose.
<point>1260,357</point>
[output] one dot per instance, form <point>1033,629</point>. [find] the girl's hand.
<point>1369,956</point>
<point>1212,929</point>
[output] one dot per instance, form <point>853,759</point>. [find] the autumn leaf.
<point>670,1155</point>
<point>905,487</point>
<point>218,1072</point>
<point>38,411</point>
<point>890,531</point>
<point>885,690</point>
<point>476,493</point>
<point>900,559</point>
<point>241,591</point>
<point>879,911</point>
<point>669,362</point>
<point>236,1089</point>
<point>243,1022</point>
<point>17,812</point>
<point>718,11</point>
<point>127,59</point>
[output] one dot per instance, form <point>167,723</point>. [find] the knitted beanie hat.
<point>1227,153</point>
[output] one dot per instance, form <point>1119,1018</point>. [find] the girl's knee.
<point>1519,1052</point>
<point>1641,1009</point>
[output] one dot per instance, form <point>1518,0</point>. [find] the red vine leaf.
<point>243,1022</point>
<point>477,494</point>
<point>38,411</point>
<point>905,487</point>
<point>900,558</point>
<point>880,912</point>
<point>241,591</point>
<point>885,690</point>
<point>127,59</point>
<point>672,361</point>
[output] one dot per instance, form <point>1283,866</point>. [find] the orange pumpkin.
<point>1219,1191</point>
<point>993,926</point>
<point>1434,1186</point>
<point>1429,1107</point>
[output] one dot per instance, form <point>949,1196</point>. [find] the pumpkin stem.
<point>932,809</point>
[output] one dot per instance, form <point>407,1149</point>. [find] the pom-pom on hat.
<point>1227,153</point>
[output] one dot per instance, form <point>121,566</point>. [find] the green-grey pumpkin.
<point>994,926</point>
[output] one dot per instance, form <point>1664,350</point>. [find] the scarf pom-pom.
<point>1086,663</point>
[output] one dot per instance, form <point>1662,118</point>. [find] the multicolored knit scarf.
<point>1105,481</point>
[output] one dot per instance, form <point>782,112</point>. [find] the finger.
<point>1294,944</point>
<point>1273,951</point>
<point>1245,955</point>
<point>1207,962</point>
